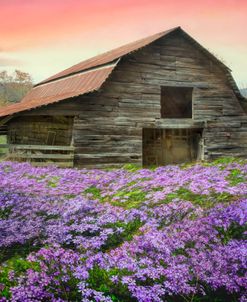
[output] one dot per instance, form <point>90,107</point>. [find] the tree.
<point>14,86</point>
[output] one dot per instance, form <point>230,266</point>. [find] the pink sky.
<point>45,36</point>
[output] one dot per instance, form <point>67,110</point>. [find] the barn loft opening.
<point>176,102</point>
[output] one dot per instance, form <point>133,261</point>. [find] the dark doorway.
<point>171,146</point>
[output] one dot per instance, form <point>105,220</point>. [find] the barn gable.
<point>163,99</point>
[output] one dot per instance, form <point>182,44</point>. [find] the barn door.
<point>170,146</point>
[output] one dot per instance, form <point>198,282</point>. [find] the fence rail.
<point>40,155</point>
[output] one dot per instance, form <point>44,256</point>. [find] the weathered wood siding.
<point>226,136</point>
<point>108,123</point>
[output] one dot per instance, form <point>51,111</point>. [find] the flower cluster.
<point>169,234</point>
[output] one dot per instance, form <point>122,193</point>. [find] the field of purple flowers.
<point>174,233</point>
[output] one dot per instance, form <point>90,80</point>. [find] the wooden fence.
<point>40,155</point>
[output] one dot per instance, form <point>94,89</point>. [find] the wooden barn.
<point>159,100</point>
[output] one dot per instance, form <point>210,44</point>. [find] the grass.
<point>3,140</point>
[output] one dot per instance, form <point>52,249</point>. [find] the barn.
<point>159,100</point>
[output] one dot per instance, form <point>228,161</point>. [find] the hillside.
<point>174,233</point>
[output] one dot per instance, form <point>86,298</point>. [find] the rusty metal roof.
<point>109,56</point>
<point>61,89</point>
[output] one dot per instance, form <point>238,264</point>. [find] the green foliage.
<point>117,238</point>
<point>236,176</point>
<point>131,167</point>
<point>182,251</point>
<point>47,216</point>
<point>4,213</point>
<point>18,266</point>
<point>100,280</point>
<point>185,194</point>
<point>202,200</point>
<point>224,161</point>
<point>130,199</point>
<point>94,191</point>
<point>17,250</point>
<point>235,231</point>
<point>3,140</point>
<point>53,182</point>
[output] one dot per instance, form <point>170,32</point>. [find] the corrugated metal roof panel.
<point>109,56</point>
<point>61,89</point>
